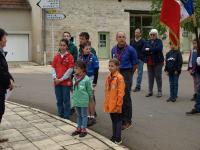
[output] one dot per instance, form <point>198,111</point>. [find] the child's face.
<point>77,70</point>
<point>112,67</point>
<point>86,50</point>
<point>63,46</point>
<point>194,43</point>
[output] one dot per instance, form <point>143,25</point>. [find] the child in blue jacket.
<point>92,64</point>
<point>173,67</point>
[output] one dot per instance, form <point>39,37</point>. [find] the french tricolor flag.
<point>172,13</point>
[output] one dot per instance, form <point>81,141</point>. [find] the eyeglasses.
<point>152,35</point>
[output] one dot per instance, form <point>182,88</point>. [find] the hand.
<point>198,61</point>
<point>11,86</point>
<point>176,72</point>
<point>190,71</point>
<point>94,86</point>
<point>57,81</point>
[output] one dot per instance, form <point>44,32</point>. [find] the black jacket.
<point>5,76</point>
<point>173,61</point>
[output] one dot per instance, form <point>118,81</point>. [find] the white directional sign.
<point>56,16</point>
<point>49,4</point>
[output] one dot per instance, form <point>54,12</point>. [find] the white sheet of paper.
<point>8,94</point>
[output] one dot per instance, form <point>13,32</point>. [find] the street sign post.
<point>48,4</point>
<point>56,16</point>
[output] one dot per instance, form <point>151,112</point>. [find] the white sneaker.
<point>118,143</point>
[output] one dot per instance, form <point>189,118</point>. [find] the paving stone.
<point>96,144</point>
<point>60,138</point>
<point>35,135</point>
<point>27,129</point>
<point>52,131</point>
<point>68,142</point>
<point>37,121</point>
<point>47,145</point>
<point>67,128</point>
<point>31,117</point>
<point>43,126</point>
<point>25,113</point>
<point>5,145</point>
<point>27,146</point>
<point>58,123</point>
<point>14,118</point>
<point>79,146</point>
<point>12,135</point>
<point>19,109</point>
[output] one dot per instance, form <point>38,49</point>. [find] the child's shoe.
<point>77,132</point>
<point>83,133</point>
<point>118,142</point>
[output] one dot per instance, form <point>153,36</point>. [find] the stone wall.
<point>92,16</point>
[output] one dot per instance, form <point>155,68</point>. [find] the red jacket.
<point>61,65</point>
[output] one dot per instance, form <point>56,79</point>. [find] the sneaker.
<point>91,122</point>
<point>173,99</point>
<point>194,97</point>
<point>2,140</point>
<point>192,112</point>
<point>77,132</point>
<point>95,114</point>
<point>118,143</point>
<point>126,126</point>
<point>72,111</point>
<point>169,99</point>
<point>159,94</point>
<point>137,89</point>
<point>83,133</point>
<point>149,94</point>
<point>112,139</point>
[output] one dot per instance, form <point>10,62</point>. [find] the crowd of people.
<point>75,75</point>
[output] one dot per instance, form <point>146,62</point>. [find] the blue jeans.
<point>63,101</point>
<point>140,73</point>
<point>197,100</point>
<point>82,117</point>
<point>173,82</point>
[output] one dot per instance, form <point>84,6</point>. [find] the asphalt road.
<point>158,125</point>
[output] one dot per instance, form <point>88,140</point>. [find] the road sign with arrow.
<point>48,4</point>
<point>56,16</point>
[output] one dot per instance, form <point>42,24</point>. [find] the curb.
<point>101,138</point>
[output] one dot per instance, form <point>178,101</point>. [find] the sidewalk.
<point>32,129</point>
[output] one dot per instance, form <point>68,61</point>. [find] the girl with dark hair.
<point>82,94</point>
<point>62,68</point>
<point>92,64</point>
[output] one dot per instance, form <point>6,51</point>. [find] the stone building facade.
<point>100,18</point>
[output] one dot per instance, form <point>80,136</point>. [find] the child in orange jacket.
<point>114,92</point>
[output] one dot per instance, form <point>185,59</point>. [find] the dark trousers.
<point>2,103</point>
<point>197,100</point>
<point>116,126</point>
<point>127,102</point>
<point>155,71</point>
<point>173,82</point>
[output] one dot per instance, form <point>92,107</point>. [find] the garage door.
<point>17,47</point>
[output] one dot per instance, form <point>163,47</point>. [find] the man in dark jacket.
<point>138,43</point>
<point>6,80</point>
